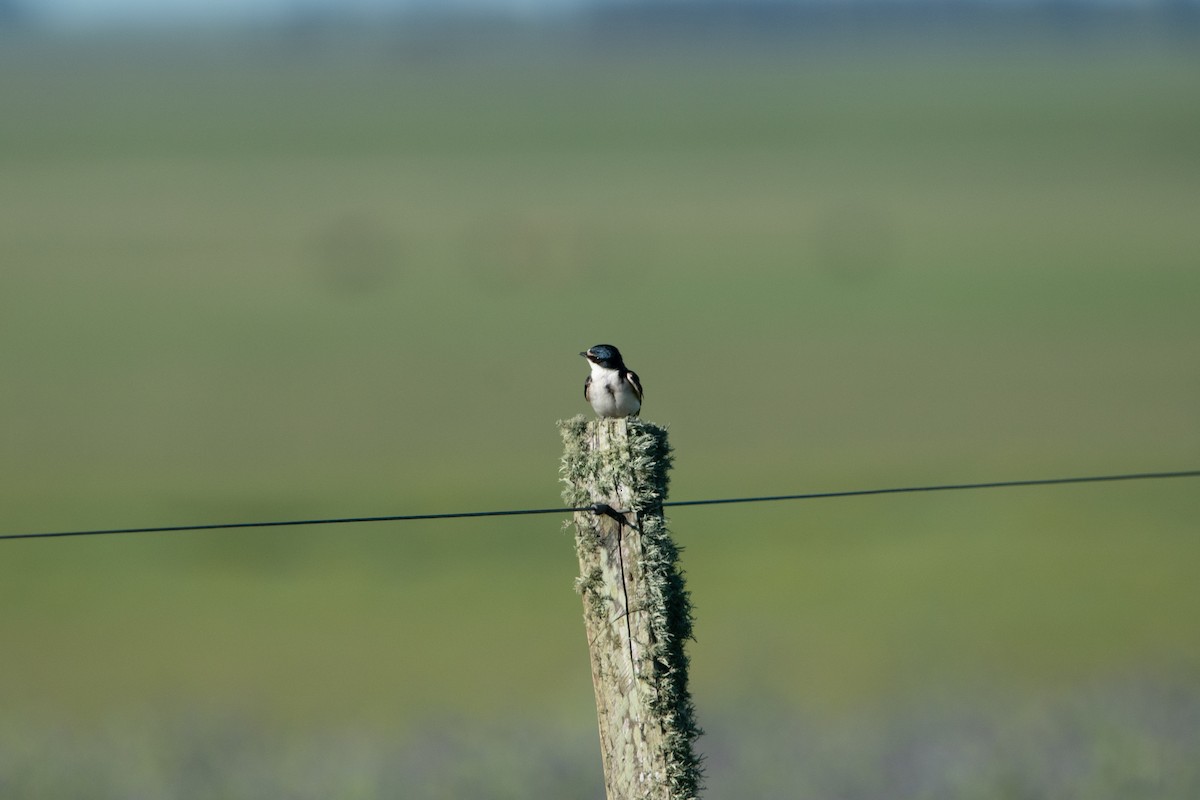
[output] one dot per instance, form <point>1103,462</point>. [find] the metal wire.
<point>945,487</point>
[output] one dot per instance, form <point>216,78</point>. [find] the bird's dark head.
<point>605,355</point>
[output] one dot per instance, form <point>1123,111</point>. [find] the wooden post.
<point>635,608</point>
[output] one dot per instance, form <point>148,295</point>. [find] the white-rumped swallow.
<point>612,389</point>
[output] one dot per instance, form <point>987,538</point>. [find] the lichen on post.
<point>636,610</point>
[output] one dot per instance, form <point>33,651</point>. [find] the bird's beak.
<point>584,353</point>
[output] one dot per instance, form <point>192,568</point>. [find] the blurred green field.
<point>243,282</point>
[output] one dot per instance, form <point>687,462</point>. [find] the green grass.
<point>242,285</point>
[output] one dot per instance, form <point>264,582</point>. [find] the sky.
<point>90,13</point>
<point>104,12</point>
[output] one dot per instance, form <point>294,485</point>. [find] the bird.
<point>613,389</point>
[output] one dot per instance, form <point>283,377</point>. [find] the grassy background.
<point>242,281</point>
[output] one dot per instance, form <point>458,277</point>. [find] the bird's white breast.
<point>610,395</point>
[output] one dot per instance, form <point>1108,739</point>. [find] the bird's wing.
<point>587,389</point>
<point>632,379</point>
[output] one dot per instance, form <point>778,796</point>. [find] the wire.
<point>284,523</point>
<point>1138,476</point>
<point>602,509</point>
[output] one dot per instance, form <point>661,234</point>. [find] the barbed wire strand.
<point>1133,476</point>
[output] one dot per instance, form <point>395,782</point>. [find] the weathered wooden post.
<point>635,607</point>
